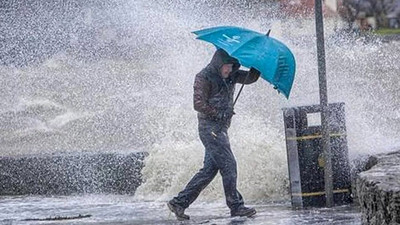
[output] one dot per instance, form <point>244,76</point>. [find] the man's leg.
<point>197,183</point>
<point>192,190</point>
<point>226,161</point>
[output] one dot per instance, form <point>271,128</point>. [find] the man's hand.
<point>254,72</point>
<point>224,115</point>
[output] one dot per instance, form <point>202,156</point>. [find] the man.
<point>214,89</point>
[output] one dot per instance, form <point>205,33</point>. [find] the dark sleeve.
<point>240,76</point>
<point>202,88</point>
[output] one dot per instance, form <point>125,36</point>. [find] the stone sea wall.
<point>69,174</point>
<point>378,190</point>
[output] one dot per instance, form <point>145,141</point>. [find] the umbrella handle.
<point>241,88</point>
<point>237,96</point>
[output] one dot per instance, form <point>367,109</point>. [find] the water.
<point>111,209</point>
<point>117,76</point>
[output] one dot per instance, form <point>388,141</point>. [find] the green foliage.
<point>386,31</point>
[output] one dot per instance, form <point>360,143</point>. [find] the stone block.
<point>72,173</point>
<point>378,191</point>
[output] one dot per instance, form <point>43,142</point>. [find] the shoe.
<point>178,211</point>
<point>243,211</point>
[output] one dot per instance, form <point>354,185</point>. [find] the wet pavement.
<point>122,209</point>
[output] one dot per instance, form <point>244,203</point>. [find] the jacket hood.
<point>220,58</point>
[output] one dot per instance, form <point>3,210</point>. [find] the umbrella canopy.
<point>269,56</point>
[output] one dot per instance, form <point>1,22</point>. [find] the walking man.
<point>214,89</point>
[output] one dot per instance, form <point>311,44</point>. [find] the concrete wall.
<point>68,174</point>
<point>378,190</point>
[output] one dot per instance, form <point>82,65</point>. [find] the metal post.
<point>323,97</point>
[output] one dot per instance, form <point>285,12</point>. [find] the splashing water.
<point>118,75</point>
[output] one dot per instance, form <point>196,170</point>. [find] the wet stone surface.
<point>125,209</point>
<point>378,190</point>
<point>71,174</point>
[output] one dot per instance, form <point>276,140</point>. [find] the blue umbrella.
<point>269,56</point>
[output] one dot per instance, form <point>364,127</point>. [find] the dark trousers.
<point>218,157</point>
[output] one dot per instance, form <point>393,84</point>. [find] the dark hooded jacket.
<point>212,93</point>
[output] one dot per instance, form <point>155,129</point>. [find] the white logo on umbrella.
<point>231,39</point>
